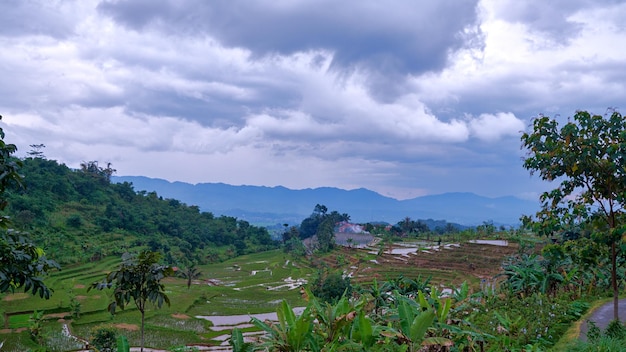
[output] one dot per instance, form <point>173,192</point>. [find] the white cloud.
<point>490,127</point>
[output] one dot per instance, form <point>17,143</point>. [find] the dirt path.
<point>602,316</point>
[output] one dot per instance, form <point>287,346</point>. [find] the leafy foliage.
<point>104,338</point>
<point>587,156</point>
<point>22,263</point>
<point>78,215</point>
<point>322,225</point>
<point>331,286</point>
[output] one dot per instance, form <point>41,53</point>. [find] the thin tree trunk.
<point>614,281</point>
<point>142,320</point>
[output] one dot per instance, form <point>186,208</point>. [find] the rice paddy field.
<point>246,285</point>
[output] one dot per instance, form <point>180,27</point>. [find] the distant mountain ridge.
<point>271,205</point>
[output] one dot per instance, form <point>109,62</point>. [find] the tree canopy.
<point>587,156</point>
<point>22,263</point>
<point>79,215</point>
<point>138,279</point>
<point>322,224</point>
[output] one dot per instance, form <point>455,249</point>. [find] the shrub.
<point>104,338</point>
<point>331,287</point>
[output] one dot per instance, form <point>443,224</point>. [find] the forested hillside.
<point>79,215</point>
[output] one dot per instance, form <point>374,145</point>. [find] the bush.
<point>331,287</point>
<point>74,221</point>
<point>104,338</point>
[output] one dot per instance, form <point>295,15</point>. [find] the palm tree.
<point>190,273</point>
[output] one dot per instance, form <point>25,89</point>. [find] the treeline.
<point>78,215</point>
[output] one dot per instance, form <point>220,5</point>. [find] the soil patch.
<point>79,286</point>
<point>15,296</point>
<point>180,316</point>
<point>9,331</point>
<point>129,327</point>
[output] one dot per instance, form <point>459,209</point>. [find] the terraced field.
<point>447,264</point>
<point>246,285</point>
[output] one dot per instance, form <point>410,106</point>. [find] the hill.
<point>271,205</point>
<point>80,216</point>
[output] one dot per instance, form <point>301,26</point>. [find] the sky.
<point>402,97</point>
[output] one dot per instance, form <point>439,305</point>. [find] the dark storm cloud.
<point>396,96</point>
<point>390,36</point>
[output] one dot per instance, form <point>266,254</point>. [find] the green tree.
<point>330,287</point>
<point>22,264</point>
<point>36,151</point>
<point>588,156</point>
<point>138,278</point>
<point>322,224</point>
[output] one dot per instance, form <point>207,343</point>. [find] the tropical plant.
<point>334,321</point>
<point>190,273</point>
<point>414,324</point>
<point>139,279</point>
<point>291,333</point>
<point>380,294</point>
<point>237,342</point>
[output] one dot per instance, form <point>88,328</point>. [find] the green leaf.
<point>122,344</point>
<point>442,312</point>
<point>236,340</point>
<point>362,330</point>
<point>420,325</point>
<point>406,315</point>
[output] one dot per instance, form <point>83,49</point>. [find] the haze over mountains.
<point>271,205</point>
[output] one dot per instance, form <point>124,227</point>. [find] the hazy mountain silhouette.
<point>271,205</point>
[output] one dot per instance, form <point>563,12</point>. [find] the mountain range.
<point>271,205</point>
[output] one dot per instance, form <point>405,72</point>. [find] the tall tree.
<point>36,151</point>
<point>588,156</point>
<point>138,278</point>
<point>22,263</point>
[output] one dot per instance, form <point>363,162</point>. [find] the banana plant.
<point>237,342</point>
<point>414,324</point>
<point>291,333</point>
<point>418,317</point>
<point>122,344</point>
<point>380,295</point>
<point>364,332</point>
<point>440,306</point>
<point>334,320</point>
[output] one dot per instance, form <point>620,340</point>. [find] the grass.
<point>19,321</point>
<point>570,337</point>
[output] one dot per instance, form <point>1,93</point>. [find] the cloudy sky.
<point>402,97</point>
